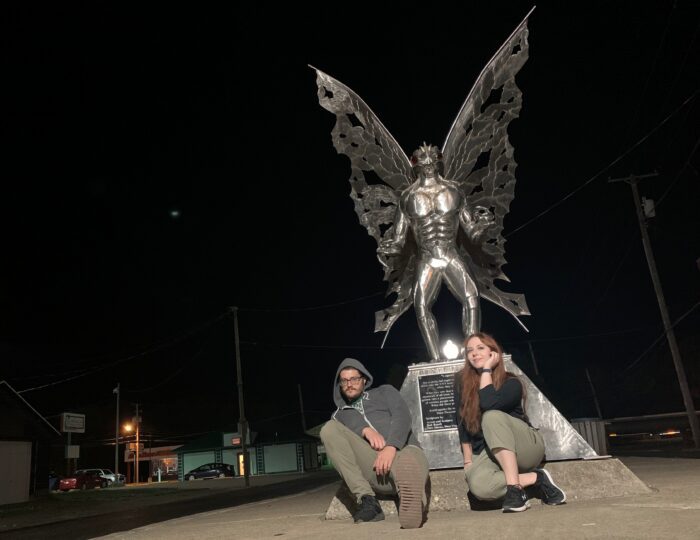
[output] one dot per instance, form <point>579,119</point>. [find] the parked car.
<point>82,480</point>
<point>211,470</point>
<point>108,475</point>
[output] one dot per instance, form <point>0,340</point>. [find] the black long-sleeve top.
<point>508,399</point>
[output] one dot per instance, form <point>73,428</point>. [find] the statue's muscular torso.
<point>434,215</point>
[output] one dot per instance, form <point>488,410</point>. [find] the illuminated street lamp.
<point>129,428</point>
<point>450,350</point>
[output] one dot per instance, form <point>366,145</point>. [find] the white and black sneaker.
<point>516,500</point>
<point>551,493</point>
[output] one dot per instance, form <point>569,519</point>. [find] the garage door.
<point>281,458</point>
<point>15,469</point>
<point>195,459</point>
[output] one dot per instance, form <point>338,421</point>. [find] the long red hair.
<point>469,378</point>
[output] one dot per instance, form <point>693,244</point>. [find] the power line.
<point>182,337</point>
<point>651,71</point>
<point>659,338</point>
<point>311,308</point>
<point>613,162</point>
<point>679,173</point>
<point>420,347</point>
<point>578,336</point>
<point>675,81</point>
<point>164,345</point>
<point>324,346</point>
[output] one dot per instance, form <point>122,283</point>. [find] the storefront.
<point>265,456</point>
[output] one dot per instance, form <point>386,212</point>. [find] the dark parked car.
<point>82,480</point>
<point>211,470</point>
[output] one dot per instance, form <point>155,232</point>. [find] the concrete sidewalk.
<point>671,510</point>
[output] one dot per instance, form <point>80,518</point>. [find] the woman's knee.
<point>491,420</point>
<point>483,491</point>
<point>489,417</point>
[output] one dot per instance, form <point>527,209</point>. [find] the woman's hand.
<point>492,361</point>
<point>467,467</point>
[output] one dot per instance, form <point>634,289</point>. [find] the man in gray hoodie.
<point>370,442</point>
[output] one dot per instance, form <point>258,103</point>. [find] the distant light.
<point>450,350</point>
<point>128,427</point>
<point>612,435</point>
<point>174,213</point>
<point>671,432</point>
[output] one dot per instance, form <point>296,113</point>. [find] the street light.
<point>117,391</point>
<point>129,428</point>
<point>450,350</point>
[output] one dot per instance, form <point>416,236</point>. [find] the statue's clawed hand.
<point>388,248</point>
<point>483,216</point>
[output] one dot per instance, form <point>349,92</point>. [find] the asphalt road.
<point>103,524</point>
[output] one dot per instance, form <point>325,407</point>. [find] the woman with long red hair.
<point>502,451</point>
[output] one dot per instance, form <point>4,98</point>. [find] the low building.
<point>151,460</point>
<point>267,454</point>
<point>25,436</point>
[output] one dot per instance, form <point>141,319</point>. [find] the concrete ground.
<point>671,510</point>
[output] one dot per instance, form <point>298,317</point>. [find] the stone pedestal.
<point>429,392</point>
<point>581,480</point>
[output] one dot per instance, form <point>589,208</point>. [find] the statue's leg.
<point>428,280</point>
<point>463,287</point>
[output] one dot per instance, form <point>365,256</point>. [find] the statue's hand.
<point>482,219</point>
<point>388,248</point>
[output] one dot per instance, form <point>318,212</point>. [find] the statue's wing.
<point>380,171</point>
<point>478,155</point>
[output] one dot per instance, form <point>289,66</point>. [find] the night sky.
<point>161,166</point>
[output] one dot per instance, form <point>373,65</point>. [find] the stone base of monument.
<point>447,489</point>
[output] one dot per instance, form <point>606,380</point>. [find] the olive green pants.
<point>485,478</point>
<point>353,458</point>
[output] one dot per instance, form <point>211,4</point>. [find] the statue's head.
<point>427,159</point>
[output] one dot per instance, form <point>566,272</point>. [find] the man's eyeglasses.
<point>353,380</point>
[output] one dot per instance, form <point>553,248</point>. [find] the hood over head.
<point>349,363</point>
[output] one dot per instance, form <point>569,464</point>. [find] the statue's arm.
<point>476,222</point>
<point>394,244</point>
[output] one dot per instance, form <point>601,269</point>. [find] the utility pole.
<point>116,436</point>
<point>242,422</point>
<point>595,396</point>
<point>301,407</point>
<point>137,419</point>
<point>632,180</point>
<point>532,355</point>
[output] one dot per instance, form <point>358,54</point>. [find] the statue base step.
<point>447,489</point>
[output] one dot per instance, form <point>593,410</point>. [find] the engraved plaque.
<point>437,401</point>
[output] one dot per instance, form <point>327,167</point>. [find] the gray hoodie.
<point>383,409</point>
